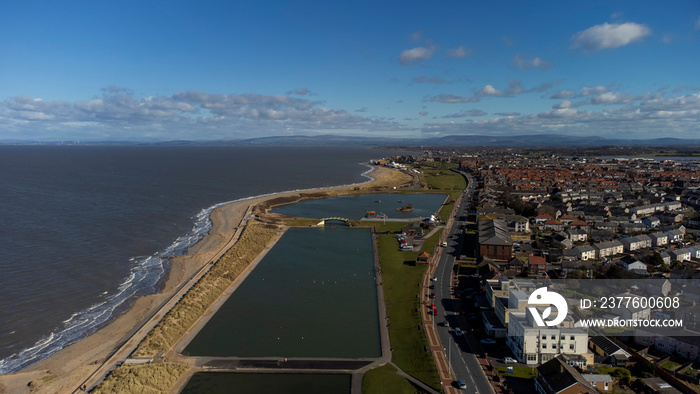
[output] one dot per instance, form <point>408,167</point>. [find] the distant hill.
<point>532,140</point>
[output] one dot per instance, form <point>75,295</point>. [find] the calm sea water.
<point>85,229</point>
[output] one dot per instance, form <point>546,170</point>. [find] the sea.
<point>85,229</point>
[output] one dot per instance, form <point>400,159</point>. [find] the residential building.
<point>531,344</point>
<point>557,377</point>
<point>494,239</point>
<point>606,249</point>
<point>585,252</point>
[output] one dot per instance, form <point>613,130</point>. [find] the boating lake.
<point>313,295</point>
<point>355,207</point>
<point>214,383</point>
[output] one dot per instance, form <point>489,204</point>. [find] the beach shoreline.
<point>66,369</point>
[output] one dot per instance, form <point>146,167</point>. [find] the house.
<point>694,251</point>
<point>606,249</point>
<point>585,252</point>
<point>665,257</point>
<point>557,377</point>
<point>631,244</point>
<point>681,254</point>
<point>632,310</point>
<point>586,268</point>
<point>657,287</point>
<point>602,383</point>
<point>553,225</point>
<point>494,239</point>
<point>603,346</point>
<point>675,235</point>
<point>562,240</point>
<point>652,222</point>
<point>658,239</point>
<point>518,224</point>
<point>580,225</point>
<point>630,263</point>
<point>543,217</point>
<point>577,235</point>
<point>536,265</point>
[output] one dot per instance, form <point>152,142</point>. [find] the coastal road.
<point>461,354</point>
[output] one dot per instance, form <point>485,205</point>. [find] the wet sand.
<point>66,369</point>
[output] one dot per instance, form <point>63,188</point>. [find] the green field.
<point>402,285</point>
<point>385,380</point>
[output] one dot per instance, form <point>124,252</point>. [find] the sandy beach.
<point>66,369</point>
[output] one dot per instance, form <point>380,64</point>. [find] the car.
<point>435,312</point>
<point>461,384</point>
<point>434,279</point>
<point>444,244</point>
<point>432,295</point>
<point>509,360</point>
<point>487,341</point>
<point>446,323</point>
<point>458,331</point>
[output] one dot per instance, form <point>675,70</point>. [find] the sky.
<point>210,70</point>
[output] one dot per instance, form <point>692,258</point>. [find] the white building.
<point>536,345</point>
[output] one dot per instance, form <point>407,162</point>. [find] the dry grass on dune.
<point>205,292</point>
<point>157,377</point>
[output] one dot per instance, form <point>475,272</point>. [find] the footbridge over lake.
<point>336,218</point>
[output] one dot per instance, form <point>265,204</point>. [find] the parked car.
<point>509,360</point>
<point>446,323</point>
<point>461,384</point>
<point>458,331</point>
<point>487,341</point>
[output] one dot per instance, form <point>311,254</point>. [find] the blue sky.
<point>167,70</point>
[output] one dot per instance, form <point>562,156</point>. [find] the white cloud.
<point>188,115</point>
<point>464,114</point>
<point>452,99</point>
<point>522,62</point>
<point>459,52</point>
<point>415,55</point>
<point>563,94</point>
<point>586,91</point>
<point>490,91</point>
<point>678,117</point>
<point>607,36</point>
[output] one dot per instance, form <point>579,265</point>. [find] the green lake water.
<point>313,295</point>
<point>355,207</point>
<point>221,383</point>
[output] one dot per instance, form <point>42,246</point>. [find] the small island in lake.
<point>405,208</point>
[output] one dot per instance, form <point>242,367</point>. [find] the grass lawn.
<point>402,285</point>
<point>670,365</point>
<point>518,372</point>
<point>384,379</point>
<point>441,179</point>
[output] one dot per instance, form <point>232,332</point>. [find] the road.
<point>458,349</point>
